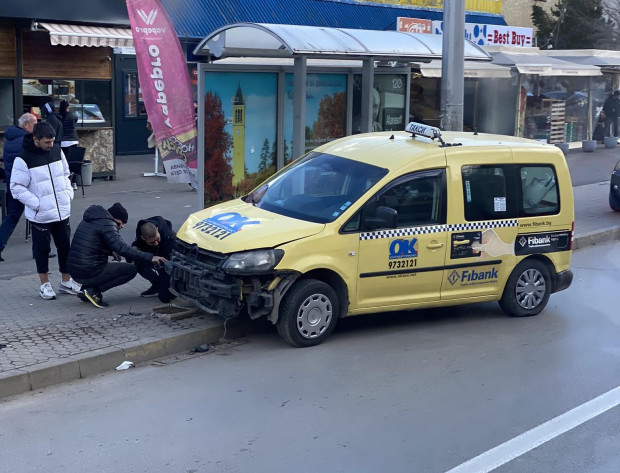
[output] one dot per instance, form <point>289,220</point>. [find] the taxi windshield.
<point>318,187</point>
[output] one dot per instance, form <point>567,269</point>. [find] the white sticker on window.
<point>499,204</point>
<point>468,191</point>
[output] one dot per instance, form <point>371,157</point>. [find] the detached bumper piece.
<point>197,275</point>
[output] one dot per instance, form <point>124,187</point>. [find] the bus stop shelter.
<point>364,49</point>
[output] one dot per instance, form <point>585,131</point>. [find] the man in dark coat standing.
<point>96,239</point>
<point>611,109</point>
<point>13,140</point>
<point>155,236</point>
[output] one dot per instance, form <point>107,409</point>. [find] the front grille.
<point>190,252</point>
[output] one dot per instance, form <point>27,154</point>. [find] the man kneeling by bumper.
<point>96,239</point>
<point>155,236</point>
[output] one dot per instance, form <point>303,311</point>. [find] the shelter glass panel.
<point>388,102</point>
<point>326,110</point>
<point>240,130</point>
<point>424,100</point>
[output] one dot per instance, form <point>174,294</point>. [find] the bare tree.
<point>609,35</point>
<point>578,24</point>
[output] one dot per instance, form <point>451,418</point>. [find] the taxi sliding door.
<point>482,223</point>
<point>402,247</point>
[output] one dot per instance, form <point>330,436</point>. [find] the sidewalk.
<point>48,342</point>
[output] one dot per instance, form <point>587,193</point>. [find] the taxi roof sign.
<point>424,130</point>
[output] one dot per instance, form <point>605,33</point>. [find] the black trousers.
<point>114,274</point>
<point>159,278</point>
<point>42,234</point>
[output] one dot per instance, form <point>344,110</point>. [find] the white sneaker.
<point>74,185</point>
<point>70,287</point>
<point>47,292</point>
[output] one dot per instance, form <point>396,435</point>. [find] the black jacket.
<point>166,234</point>
<point>611,107</point>
<point>96,237</point>
<point>54,119</point>
<point>68,127</point>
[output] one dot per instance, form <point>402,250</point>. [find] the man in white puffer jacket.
<point>40,181</point>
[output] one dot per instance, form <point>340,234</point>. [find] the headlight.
<point>253,262</point>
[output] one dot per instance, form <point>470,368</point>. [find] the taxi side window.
<point>417,199</point>
<point>539,190</point>
<point>488,192</point>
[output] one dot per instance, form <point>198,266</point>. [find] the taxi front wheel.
<point>308,313</point>
<point>527,290</point>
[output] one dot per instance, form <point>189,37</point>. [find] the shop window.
<point>133,102</point>
<point>555,109</point>
<point>6,103</point>
<point>539,191</point>
<point>90,100</point>
<point>488,193</point>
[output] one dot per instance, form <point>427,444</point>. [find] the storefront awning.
<point>543,65</point>
<point>592,57</point>
<point>471,70</point>
<point>77,35</point>
<point>272,41</point>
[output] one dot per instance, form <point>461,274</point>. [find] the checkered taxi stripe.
<point>459,227</point>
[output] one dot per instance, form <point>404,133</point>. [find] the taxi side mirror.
<point>384,217</point>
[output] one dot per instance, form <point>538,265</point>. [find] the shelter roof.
<point>277,41</point>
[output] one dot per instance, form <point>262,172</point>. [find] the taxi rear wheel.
<point>527,290</point>
<point>308,313</point>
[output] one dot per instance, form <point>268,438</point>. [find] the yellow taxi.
<point>382,222</point>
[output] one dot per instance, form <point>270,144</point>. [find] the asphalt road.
<point>424,391</point>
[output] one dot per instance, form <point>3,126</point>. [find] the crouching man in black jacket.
<point>155,236</point>
<point>96,239</point>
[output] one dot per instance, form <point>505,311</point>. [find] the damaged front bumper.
<point>197,275</point>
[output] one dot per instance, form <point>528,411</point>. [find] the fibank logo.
<point>148,19</point>
<point>538,240</point>
<point>454,277</point>
<point>404,249</point>
<point>522,241</point>
<point>471,276</point>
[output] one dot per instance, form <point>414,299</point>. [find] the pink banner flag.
<point>166,88</point>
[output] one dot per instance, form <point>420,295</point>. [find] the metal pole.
<point>452,67</point>
<point>299,107</point>
<point>368,79</point>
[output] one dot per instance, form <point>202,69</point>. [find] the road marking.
<point>496,457</point>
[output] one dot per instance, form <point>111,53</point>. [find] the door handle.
<point>434,246</point>
<point>460,243</point>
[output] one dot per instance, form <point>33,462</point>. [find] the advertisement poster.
<point>388,102</point>
<point>240,131</point>
<point>326,106</point>
<point>166,88</point>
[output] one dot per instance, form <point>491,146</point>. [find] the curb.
<point>90,363</point>
<point>596,237</point>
